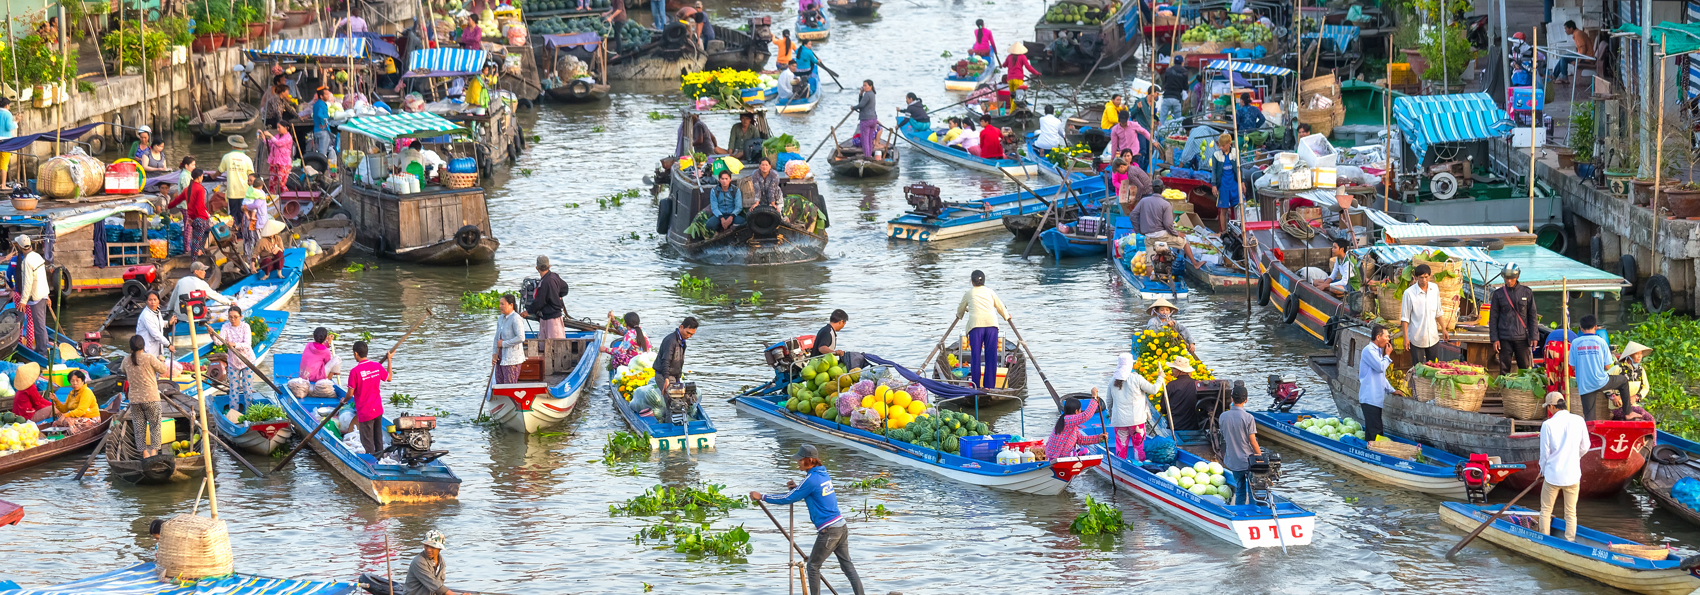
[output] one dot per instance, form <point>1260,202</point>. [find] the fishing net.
<point>1160,450</point>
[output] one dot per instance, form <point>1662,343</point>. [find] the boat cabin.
<point>420,202</point>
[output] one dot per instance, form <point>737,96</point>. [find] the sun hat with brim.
<point>237,141</point>
<point>1633,348</point>
<point>435,539</point>
<point>1018,48</point>
<point>26,375</point>
<point>272,228</point>
<point>1181,364</point>
<point>1161,303</point>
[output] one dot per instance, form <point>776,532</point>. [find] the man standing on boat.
<point>32,293</point>
<point>546,304</point>
<point>195,281</point>
<point>1564,440</point>
<point>1515,322</point>
<point>832,531</point>
<point>363,387</point>
<point>1590,358</point>
<point>670,358</point>
<point>983,308</point>
<point>1174,89</point>
<point>826,341</point>
<point>1239,444</point>
<point>1372,379</point>
<point>1050,131</point>
<point>1419,317</point>
<point>322,123</point>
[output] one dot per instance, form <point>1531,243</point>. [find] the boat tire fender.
<point>579,88</point>
<point>764,221</point>
<point>1631,272</point>
<point>1655,295</point>
<point>58,280</point>
<point>1665,454</point>
<point>664,215</point>
<point>1263,289</point>
<point>338,213</point>
<point>467,237</point>
<point>1559,238</point>
<point>1290,308</point>
<point>1330,330</point>
<point>1596,252</point>
<point>673,35</point>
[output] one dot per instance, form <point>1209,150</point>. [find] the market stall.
<point>458,84</point>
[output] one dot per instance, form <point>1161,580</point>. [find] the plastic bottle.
<point>1006,454</point>
<point>1027,456</point>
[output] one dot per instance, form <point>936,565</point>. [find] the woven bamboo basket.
<point>71,175</point>
<point>1387,301</point>
<point>1321,121</point>
<point>1520,404</point>
<point>1462,398</point>
<point>457,181</point>
<point>1421,388</point>
<point>1396,449</point>
<point>193,547</point>
<point>1650,552</point>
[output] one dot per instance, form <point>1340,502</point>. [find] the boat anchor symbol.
<point>1621,444</point>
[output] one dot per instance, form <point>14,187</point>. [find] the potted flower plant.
<point>1448,53</point>
<point>1582,139</point>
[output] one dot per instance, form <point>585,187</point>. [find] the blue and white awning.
<point>1434,119</point>
<point>338,47</point>
<point>447,60</point>
<point>141,579</point>
<point>1339,35</point>
<point>1249,68</point>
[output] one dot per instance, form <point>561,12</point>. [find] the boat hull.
<point>805,32</point>
<point>337,233</point>
<point>568,94</point>
<point>72,444</point>
<point>1217,278</point>
<point>1146,287</point>
<point>262,439</point>
<point>667,437</point>
<point>1020,168</point>
<point>951,83</point>
<point>449,253</point>
<point>1629,573</point>
<point>531,407</point>
<point>1060,246</point>
<point>1428,479</point>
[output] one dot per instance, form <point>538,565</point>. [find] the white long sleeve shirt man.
<point>1564,439</point>
<point>193,283</point>
<point>1050,133</point>
<point>34,278</point>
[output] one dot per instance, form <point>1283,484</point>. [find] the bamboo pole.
<point>1658,152</point>
<point>1535,101</point>
<point>143,43</point>
<point>1234,109</point>
<point>1387,139</point>
<point>206,429</point>
<point>1569,402</point>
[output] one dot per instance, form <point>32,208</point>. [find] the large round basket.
<point>1396,449</point>
<point>1387,302</point>
<point>1422,389</point>
<point>1650,552</point>
<point>1321,121</point>
<point>71,175</point>
<point>1520,404</point>
<point>1450,288</point>
<point>457,181</point>
<point>193,547</point>
<point>1465,397</point>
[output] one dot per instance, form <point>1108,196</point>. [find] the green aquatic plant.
<point>1097,518</point>
<point>691,501</point>
<point>625,444</point>
<point>473,301</point>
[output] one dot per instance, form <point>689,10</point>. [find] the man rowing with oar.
<point>832,532</point>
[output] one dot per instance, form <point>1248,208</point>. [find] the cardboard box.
<point>1520,137</point>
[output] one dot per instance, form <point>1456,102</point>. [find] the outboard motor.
<point>681,399</point>
<point>1163,263</point>
<point>410,440</point>
<point>1474,474</point>
<point>1265,472</point>
<point>924,199</point>
<point>527,289</point>
<point>1285,392</point>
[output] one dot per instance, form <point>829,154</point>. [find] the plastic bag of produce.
<point>866,418</point>
<point>916,391</point>
<point>848,402</point>
<point>863,388</point>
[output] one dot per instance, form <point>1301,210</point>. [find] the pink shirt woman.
<point>983,42</point>
<point>1066,438</point>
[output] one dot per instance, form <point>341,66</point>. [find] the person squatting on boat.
<point>1339,278</point>
<point>27,401</point>
<point>1564,441</point>
<point>425,575</point>
<point>633,342</point>
<point>983,308</point>
<point>1163,315</point>
<point>832,531</point>
<point>1627,405</point>
<point>1130,409</point>
<point>319,368</point>
<point>725,201</point>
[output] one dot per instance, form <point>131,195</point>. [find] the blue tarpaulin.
<point>940,390</point>
<point>1249,68</point>
<point>1340,36</point>
<point>1429,120</point>
<point>446,61</point>
<point>329,47</point>
<point>18,143</point>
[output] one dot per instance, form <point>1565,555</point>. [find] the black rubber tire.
<point>136,290</point>
<point>58,280</point>
<point>1263,288</point>
<point>338,213</point>
<point>1665,454</point>
<point>1354,302</point>
<point>1655,294</point>
<point>1290,308</point>
<point>316,161</point>
<point>674,34</point>
<point>1446,242</point>
<point>1597,252</point>
<point>764,221</point>
<point>468,236</point>
<point>663,215</point>
<point>1560,242</point>
<point>579,88</point>
<point>1631,272</point>
<point>1331,330</point>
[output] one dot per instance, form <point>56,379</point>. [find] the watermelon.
<point>955,424</point>
<point>952,444</point>
<point>982,428</point>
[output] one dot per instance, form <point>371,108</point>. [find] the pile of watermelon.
<point>547,5</point>
<point>944,431</point>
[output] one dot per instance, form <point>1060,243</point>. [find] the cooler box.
<point>983,448</point>
<point>123,177</point>
<point>1524,98</point>
<point>167,431</point>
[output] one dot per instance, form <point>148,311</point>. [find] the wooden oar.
<point>793,542</point>
<point>1451,555</point>
<point>245,361</point>
<point>940,344</point>
<point>994,88</point>
<point>101,446</point>
<point>313,435</point>
<point>1023,343</point>
<point>829,135</point>
<point>829,72</point>
<point>219,442</point>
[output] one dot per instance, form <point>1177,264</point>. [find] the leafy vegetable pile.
<point>262,412</point>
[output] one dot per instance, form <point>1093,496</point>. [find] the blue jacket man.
<point>1590,356</point>
<point>832,532</point>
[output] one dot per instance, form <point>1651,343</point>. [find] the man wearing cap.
<point>983,308</point>
<point>1564,439</point>
<point>195,215</point>
<point>1419,317</point>
<point>546,305</point>
<point>425,575</point>
<point>322,122</point>
<point>32,293</point>
<point>1239,444</point>
<point>832,531</point>
<point>1183,396</point>
<point>195,281</point>
<point>1635,387</point>
<point>1591,361</point>
<point>236,166</point>
<point>1514,322</point>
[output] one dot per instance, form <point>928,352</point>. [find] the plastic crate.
<point>983,448</point>
<point>1401,74</point>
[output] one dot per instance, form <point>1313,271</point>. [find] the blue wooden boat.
<point>1051,171</point>
<point>1599,556</point>
<point>382,482</point>
<point>1687,446</point>
<point>957,83</point>
<point>1147,287</point>
<point>259,438</point>
<point>1072,245</point>
<point>1217,278</point>
<point>955,220</point>
<point>816,33</point>
<point>1433,473</point>
<point>253,294</point>
<point>1045,478</point>
<point>665,436</point>
<point>143,579</point>
<point>1248,525</point>
<point>570,366</point>
<point>794,104</point>
<point>1018,167</point>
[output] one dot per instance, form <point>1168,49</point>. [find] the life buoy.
<point>1290,308</point>
<point>764,220</point>
<point>663,215</point>
<point>1631,272</point>
<point>1263,289</point>
<point>1655,294</point>
<point>467,237</point>
<point>579,88</point>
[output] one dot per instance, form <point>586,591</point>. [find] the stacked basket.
<point>1401,450</point>
<point>1520,404</point>
<point>193,547</point>
<point>1460,396</point>
<point>456,181</point>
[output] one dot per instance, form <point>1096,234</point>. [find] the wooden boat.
<point>438,224</point>
<point>49,450</point>
<point>1617,450</point>
<point>93,272</point>
<point>143,579</point>
<point>565,86</point>
<point>1145,285</point>
<point>335,237</point>
<point>1051,171</point>
<point>10,514</point>
<point>382,482</point>
<point>1215,276</point>
<point>766,238</point>
<point>854,8</point>
<point>1011,383</point>
<point>1044,478</point>
<point>1073,245</point>
<point>934,220</point>
<point>1667,466</point>
<point>567,371</point>
<point>125,461</point>
<point>1278,258</point>
<point>1018,167</point>
<point>665,436</point>
<point>1434,472</point>
<point>1591,555</point>
<point>225,120</point>
<point>260,438</point>
<point>253,295</point>
<point>578,91</point>
<point>1111,41</point>
<point>740,50</point>
<point>952,82</point>
<point>817,32</point>
<point>798,105</point>
<point>661,60</point>
<point>1247,525</point>
<point>1019,119</point>
<point>1023,226</point>
<point>848,161</point>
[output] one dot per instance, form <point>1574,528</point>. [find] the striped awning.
<point>140,580</point>
<point>447,60</point>
<point>1249,68</point>
<point>1433,119</point>
<point>1339,35</point>
<point>394,126</point>
<point>1386,253</point>
<point>338,47</point>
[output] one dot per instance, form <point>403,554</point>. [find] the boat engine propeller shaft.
<point>410,440</point>
<point>1285,392</point>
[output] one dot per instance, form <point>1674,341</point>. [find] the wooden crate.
<point>531,370</point>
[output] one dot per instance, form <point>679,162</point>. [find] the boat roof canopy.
<point>1542,269</point>
<point>141,579</point>
<point>406,125</point>
<point>66,218</point>
<point>445,62</point>
<point>1434,119</point>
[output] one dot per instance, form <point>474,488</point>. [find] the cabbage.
<point>1217,480</point>
<point>1226,492</point>
<point>1197,490</point>
<point>1215,468</point>
<point>1201,467</point>
<point>1170,478</point>
<point>1187,482</point>
<point>1172,471</point>
<point>1188,472</point>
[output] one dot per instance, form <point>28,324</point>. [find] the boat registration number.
<point>1272,533</point>
<point>905,232</point>
<point>678,443</point>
